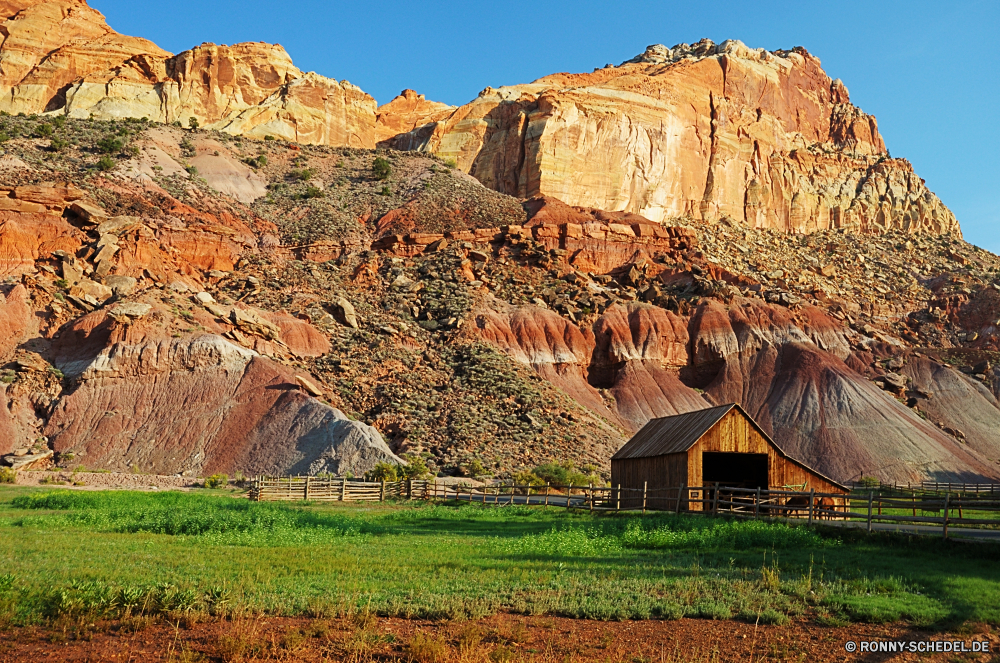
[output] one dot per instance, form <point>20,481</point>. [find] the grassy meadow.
<point>110,554</point>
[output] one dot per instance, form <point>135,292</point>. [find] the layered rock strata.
<point>60,55</point>
<point>703,131</point>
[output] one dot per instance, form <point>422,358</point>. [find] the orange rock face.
<point>702,131</point>
<point>61,55</point>
<point>407,112</point>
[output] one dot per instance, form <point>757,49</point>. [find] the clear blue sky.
<point>929,71</point>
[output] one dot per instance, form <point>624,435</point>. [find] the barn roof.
<point>680,432</point>
<point>671,435</point>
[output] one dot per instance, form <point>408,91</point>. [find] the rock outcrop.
<point>60,55</point>
<point>702,131</point>
<point>637,362</point>
<point>200,405</point>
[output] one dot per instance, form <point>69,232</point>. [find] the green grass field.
<point>74,554</point>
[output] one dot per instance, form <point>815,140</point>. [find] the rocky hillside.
<point>186,301</point>
<point>699,131</point>
<point>529,277</point>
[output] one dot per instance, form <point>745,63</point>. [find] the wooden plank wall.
<point>658,472</point>
<point>735,434</point>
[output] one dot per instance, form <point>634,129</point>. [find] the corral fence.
<point>866,506</point>
<point>928,487</point>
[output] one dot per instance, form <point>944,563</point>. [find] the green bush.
<point>451,163</point>
<point>304,174</point>
<point>193,122</point>
<point>217,481</point>
<point>381,168</point>
<point>564,474</point>
<point>193,170</point>
<point>7,475</point>
<point>44,130</point>
<point>110,145</point>
<point>269,137</point>
<point>4,136</point>
<point>58,144</point>
<point>312,192</point>
<point>415,468</point>
<point>383,472</point>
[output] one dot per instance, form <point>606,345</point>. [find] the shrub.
<point>383,472</point>
<point>564,474</point>
<point>7,475</point>
<point>386,191</point>
<point>193,170</point>
<point>304,174</point>
<point>58,144</point>
<point>4,136</point>
<point>269,137</point>
<point>381,168</point>
<point>44,130</point>
<point>7,376</point>
<point>193,122</point>
<point>415,468</point>
<point>312,192</point>
<point>110,145</point>
<point>59,121</point>
<point>451,163</point>
<point>475,469</point>
<point>217,481</point>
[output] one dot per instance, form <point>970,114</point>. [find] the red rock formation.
<point>702,131</point>
<point>61,55</point>
<point>198,404</point>
<point>407,112</point>
<point>787,369</point>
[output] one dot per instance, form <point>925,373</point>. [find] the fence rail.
<point>929,487</point>
<point>869,507</point>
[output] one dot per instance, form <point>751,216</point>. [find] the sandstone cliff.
<point>702,131</point>
<point>60,55</point>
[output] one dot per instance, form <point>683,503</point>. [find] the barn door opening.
<point>734,469</point>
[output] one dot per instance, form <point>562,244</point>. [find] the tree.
<point>193,122</point>
<point>381,168</point>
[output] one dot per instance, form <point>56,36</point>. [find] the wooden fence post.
<point>680,494</point>
<point>871,495</point>
<point>343,489</point>
<point>569,496</point>
<point>381,492</point>
<point>618,498</point>
<point>546,494</point>
<point>945,531</point>
<point>305,492</point>
<point>756,504</point>
<point>715,499</point>
<point>644,485</point>
<point>409,489</point>
<point>592,498</point>
<point>812,501</point>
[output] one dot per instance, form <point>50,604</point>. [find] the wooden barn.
<point>716,446</point>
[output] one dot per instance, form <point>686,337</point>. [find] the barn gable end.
<point>721,445</point>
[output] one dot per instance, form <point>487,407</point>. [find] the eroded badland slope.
<point>543,271</point>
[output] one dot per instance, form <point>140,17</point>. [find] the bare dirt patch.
<point>105,480</point>
<point>506,638</point>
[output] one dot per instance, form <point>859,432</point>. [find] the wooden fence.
<point>929,487</point>
<point>867,508</point>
